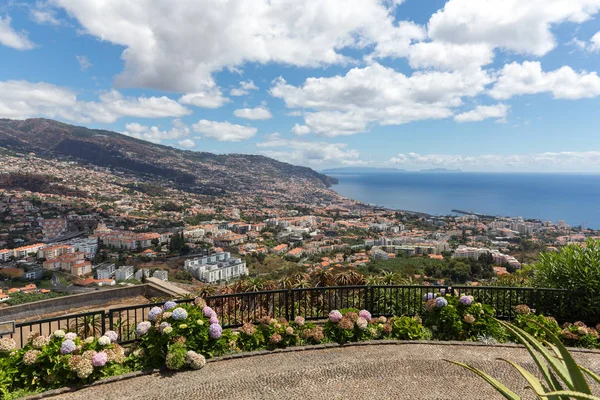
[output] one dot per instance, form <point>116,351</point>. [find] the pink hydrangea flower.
<point>99,359</point>
<point>335,316</point>
<point>365,314</point>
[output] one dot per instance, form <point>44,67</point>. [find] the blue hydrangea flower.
<point>67,347</point>
<point>428,296</point>
<point>179,314</point>
<point>143,328</point>
<point>443,292</point>
<point>466,300</point>
<point>441,302</point>
<point>154,312</point>
<point>163,325</point>
<point>112,335</point>
<point>215,331</point>
<point>169,304</point>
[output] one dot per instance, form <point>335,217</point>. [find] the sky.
<point>480,85</point>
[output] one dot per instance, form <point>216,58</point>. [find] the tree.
<point>575,268</point>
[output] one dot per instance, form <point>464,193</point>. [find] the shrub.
<point>352,327</point>
<point>408,328</point>
<point>461,318</point>
<point>575,268</point>
<point>535,324</point>
<point>187,325</point>
<point>60,360</point>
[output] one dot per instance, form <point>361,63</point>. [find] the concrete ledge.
<point>323,346</point>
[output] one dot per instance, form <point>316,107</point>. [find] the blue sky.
<point>481,85</point>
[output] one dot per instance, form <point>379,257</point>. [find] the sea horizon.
<point>544,196</point>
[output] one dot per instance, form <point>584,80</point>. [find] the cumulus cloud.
<point>11,38</point>
<point>244,89</point>
<point>480,113</point>
<point>309,153</point>
<point>208,95</point>
<point>258,113</point>
<point>224,131</point>
<point>594,44</point>
<point>187,143</point>
<point>155,135</point>
<point>300,129</point>
<point>528,78</point>
<point>23,99</point>
<point>84,63</point>
<point>345,105</point>
<point>449,56</point>
<point>519,26</point>
<point>551,159</point>
<point>176,46</point>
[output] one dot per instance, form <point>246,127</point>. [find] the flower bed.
<point>183,336</point>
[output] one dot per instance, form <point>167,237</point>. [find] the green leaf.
<point>503,390</point>
<point>590,373</point>
<point>534,382</point>
<point>572,394</point>
<point>579,382</point>
<point>528,341</point>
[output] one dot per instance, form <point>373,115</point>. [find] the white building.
<point>216,267</point>
<point>124,273</point>
<point>161,274</point>
<point>105,271</point>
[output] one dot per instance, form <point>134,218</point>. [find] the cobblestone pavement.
<point>405,371</point>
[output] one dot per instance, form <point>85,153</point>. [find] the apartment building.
<point>216,267</point>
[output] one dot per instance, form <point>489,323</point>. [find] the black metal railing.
<point>86,324</point>
<point>235,309</point>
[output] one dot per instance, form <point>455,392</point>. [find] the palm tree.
<point>254,285</point>
<point>90,325</point>
<point>322,277</point>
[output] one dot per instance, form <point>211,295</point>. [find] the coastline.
<point>531,196</point>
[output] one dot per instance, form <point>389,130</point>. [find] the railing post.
<point>103,316</point>
<point>110,320</point>
<point>289,305</point>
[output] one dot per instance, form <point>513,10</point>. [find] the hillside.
<point>196,172</point>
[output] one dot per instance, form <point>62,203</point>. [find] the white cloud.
<point>515,25</point>
<point>155,135</point>
<point>244,89</point>
<point>84,63</point>
<point>208,95</point>
<point>11,38</point>
<point>309,153</point>
<point>158,35</point>
<point>449,56</point>
<point>480,113</point>
<point>595,42</point>
<point>224,131</point>
<point>187,143</point>
<point>116,104</point>
<point>584,159</point>
<point>23,99</point>
<point>346,105</point>
<point>528,78</point>
<point>258,113</point>
<point>42,13</point>
<point>300,129</point>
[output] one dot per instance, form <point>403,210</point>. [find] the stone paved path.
<point>405,371</point>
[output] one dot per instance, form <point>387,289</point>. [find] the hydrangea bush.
<point>352,325</point>
<point>58,360</point>
<point>184,336</point>
<point>171,334</point>
<point>459,317</point>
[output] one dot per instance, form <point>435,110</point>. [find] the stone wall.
<point>89,299</point>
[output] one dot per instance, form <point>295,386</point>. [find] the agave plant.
<point>563,378</point>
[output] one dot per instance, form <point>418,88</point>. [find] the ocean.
<point>574,198</point>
